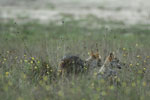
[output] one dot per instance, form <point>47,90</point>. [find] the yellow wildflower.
<point>142,98</point>
<point>102,81</point>
<point>38,62</point>
<point>45,78</point>
<point>92,85</point>
<point>60,93</point>
<point>7,73</point>
<point>138,56</point>
<point>140,71</point>
<point>148,57</point>
<point>144,84</point>
<point>24,76</point>
<point>95,74</point>
<point>98,89</point>
<point>32,58</point>
<point>20,98</point>
<point>133,84</point>
<point>131,65</point>
<point>5,59</point>
<point>124,55</point>
<point>85,68</point>
<point>118,79</point>
<point>47,67</point>
<point>59,71</point>
<point>111,87</point>
<point>31,62</point>
<point>25,60</point>
<point>124,49</point>
<point>89,53</point>
<point>20,61</point>
<point>137,64</point>
<point>47,87</point>
<point>35,67</point>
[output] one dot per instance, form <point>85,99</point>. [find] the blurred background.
<point>128,11</point>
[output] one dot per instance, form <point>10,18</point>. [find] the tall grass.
<point>30,54</point>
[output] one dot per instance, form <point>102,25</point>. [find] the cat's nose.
<point>119,66</point>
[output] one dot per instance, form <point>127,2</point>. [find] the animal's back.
<point>72,64</point>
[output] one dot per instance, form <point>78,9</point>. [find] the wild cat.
<point>74,64</point>
<point>94,60</point>
<point>108,68</point>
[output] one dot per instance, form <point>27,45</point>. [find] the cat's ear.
<point>98,56</point>
<point>111,56</point>
<point>91,53</point>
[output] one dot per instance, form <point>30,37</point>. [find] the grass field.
<point>30,53</point>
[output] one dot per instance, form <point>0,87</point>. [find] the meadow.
<point>30,53</point>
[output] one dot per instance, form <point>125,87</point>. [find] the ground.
<point>35,35</point>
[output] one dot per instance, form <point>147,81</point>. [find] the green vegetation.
<point>30,53</point>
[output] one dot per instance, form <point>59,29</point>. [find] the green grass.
<point>30,53</point>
